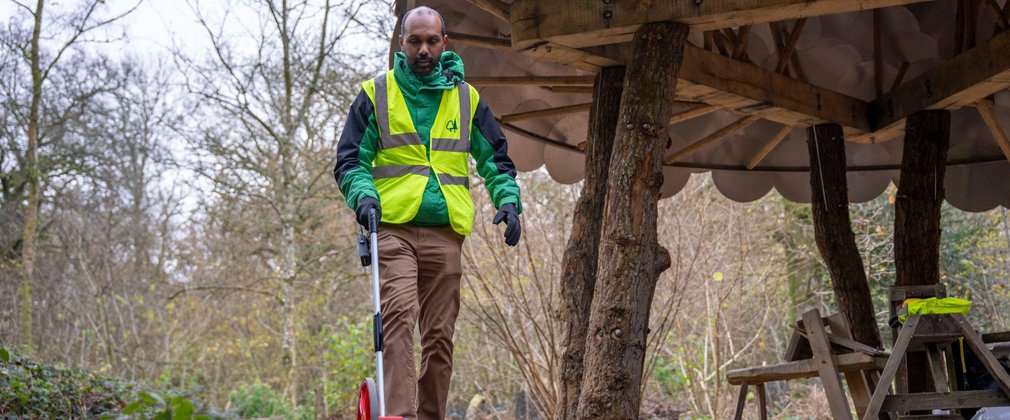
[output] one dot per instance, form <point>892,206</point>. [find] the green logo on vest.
<point>451,125</point>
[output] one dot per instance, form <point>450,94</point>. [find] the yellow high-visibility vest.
<point>402,165</point>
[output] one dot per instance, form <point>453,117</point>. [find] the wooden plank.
<point>772,96</point>
<point>581,23</point>
<point>936,368</point>
<point>897,354</point>
<point>693,112</point>
<point>740,49</point>
<point>549,112</point>
<point>900,76</point>
<point>531,81</point>
<point>711,139</point>
<point>588,90</point>
<point>996,337</point>
<point>960,81</point>
<point>960,399</point>
<point>591,61</point>
<point>984,108</point>
<point>745,88</point>
<point>860,383</point>
<point>801,369</point>
<point>790,46</point>
<point>500,44</point>
<point>771,145</point>
<point>762,402</point>
<point>826,368</point>
<point>494,7</point>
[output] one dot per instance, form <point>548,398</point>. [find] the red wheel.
<point>368,401</point>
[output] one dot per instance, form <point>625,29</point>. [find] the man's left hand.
<point>513,229</point>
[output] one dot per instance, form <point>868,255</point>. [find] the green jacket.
<point>359,139</point>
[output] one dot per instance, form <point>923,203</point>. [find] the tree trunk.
<point>833,231</point>
<point>917,216</point>
<point>579,264</point>
<point>920,196</point>
<point>630,257</point>
<point>32,209</point>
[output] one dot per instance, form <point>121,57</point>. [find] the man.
<point>403,153</point>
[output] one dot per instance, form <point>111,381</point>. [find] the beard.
<point>424,66</point>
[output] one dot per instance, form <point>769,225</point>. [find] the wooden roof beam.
<point>531,81</point>
<point>583,23</point>
<point>710,139</point>
<point>985,110</point>
<point>500,44</point>
<point>745,88</point>
<point>958,82</point>
<point>494,7</point>
<point>549,112</point>
<point>749,89</point>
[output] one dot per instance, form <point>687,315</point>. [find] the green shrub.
<point>259,400</point>
<point>33,390</point>
<point>350,356</point>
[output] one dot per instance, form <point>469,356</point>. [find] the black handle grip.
<point>363,250</point>
<point>377,331</point>
<point>372,223</point>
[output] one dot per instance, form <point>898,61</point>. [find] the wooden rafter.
<point>531,81</point>
<point>958,82</point>
<point>494,7</point>
<point>694,112</point>
<point>750,89</point>
<point>984,108</point>
<point>788,50</point>
<point>480,41</point>
<point>582,23</point>
<point>570,89</point>
<point>900,77</point>
<point>768,147</point>
<point>549,112</point>
<point>741,87</point>
<point>740,49</point>
<point>710,139</point>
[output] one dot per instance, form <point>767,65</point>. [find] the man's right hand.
<point>365,204</point>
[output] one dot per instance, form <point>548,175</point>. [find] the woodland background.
<point>173,221</point>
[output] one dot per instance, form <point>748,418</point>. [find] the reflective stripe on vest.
<point>402,163</point>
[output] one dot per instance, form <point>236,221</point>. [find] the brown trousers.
<point>419,272</point>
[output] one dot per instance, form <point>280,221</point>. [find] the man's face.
<point>422,42</point>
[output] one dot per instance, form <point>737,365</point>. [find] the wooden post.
<point>579,264</point>
<point>833,231</point>
<point>630,257</point>
<point>917,215</point>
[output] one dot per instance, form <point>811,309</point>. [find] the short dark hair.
<point>422,10</point>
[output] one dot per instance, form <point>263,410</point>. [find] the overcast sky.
<point>156,25</point>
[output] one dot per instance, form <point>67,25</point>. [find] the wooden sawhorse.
<point>933,332</point>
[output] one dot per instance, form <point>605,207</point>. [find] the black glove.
<point>365,204</point>
<point>513,229</point>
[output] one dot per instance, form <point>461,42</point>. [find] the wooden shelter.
<point>826,101</point>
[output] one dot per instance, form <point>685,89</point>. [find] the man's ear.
<point>401,42</point>
<point>445,39</point>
